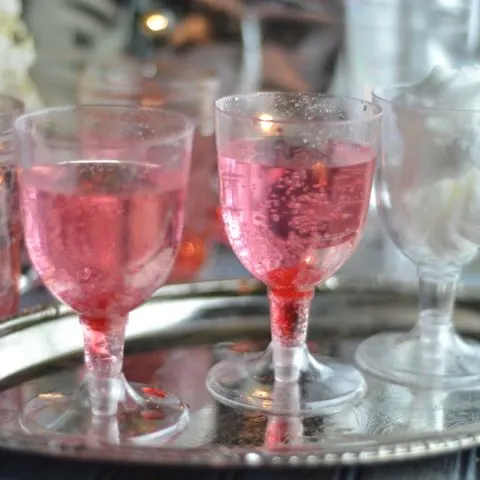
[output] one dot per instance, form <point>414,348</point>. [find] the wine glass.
<point>192,92</point>
<point>102,192</point>
<point>295,178</point>
<point>427,198</point>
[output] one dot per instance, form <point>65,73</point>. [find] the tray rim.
<point>228,457</point>
<point>364,451</point>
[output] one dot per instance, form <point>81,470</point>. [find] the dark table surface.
<point>13,466</point>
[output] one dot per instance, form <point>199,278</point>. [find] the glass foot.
<point>144,414</point>
<point>445,361</point>
<point>324,385</point>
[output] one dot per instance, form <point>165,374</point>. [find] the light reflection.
<point>309,259</point>
<point>258,393</point>
<point>266,122</point>
<point>267,404</point>
<point>156,22</point>
<point>320,172</point>
<point>50,396</point>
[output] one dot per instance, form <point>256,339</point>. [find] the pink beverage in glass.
<point>294,215</point>
<point>191,93</point>
<point>10,224</point>
<point>10,240</point>
<point>284,432</point>
<point>99,232</point>
<point>199,217</point>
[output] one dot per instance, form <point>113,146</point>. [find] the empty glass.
<point>295,178</point>
<point>102,193</point>
<point>428,198</point>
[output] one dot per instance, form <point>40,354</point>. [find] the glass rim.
<point>186,80</point>
<point>209,83</point>
<point>21,123</point>
<point>378,112</point>
<point>378,93</point>
<point>176,78</point>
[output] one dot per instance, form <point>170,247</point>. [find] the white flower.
<point>17,54</point>
<point>11,8</point>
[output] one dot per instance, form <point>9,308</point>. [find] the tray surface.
<point>174,339</point>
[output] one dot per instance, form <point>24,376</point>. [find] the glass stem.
<point>103,348</point>
<point>436,303</point>
<point>289,322</point>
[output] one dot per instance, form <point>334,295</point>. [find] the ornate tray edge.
<point>240,457</point>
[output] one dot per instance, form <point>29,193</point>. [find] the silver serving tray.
<point>175,338</point>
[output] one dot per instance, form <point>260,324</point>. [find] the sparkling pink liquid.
<point>103,235</point>
<point>199,216</point>
<point>293,214</point>
<point>10,241</point>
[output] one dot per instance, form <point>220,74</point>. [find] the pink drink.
<point>10,241</point>
<point>294,215</point>
<point>199,216</point>
<point>102,234</point>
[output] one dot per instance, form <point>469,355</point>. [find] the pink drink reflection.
<point>284,432</point>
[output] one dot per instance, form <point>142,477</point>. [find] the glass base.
<point>445,361</point>
<point>324,385</point>
<point>144,414</point>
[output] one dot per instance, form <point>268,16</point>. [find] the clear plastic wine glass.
<point>428,198</point>
<point>102,192</point>
<point>295,178</point>
<point>190,91</point>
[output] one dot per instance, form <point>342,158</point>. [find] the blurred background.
<point>183,54</point>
